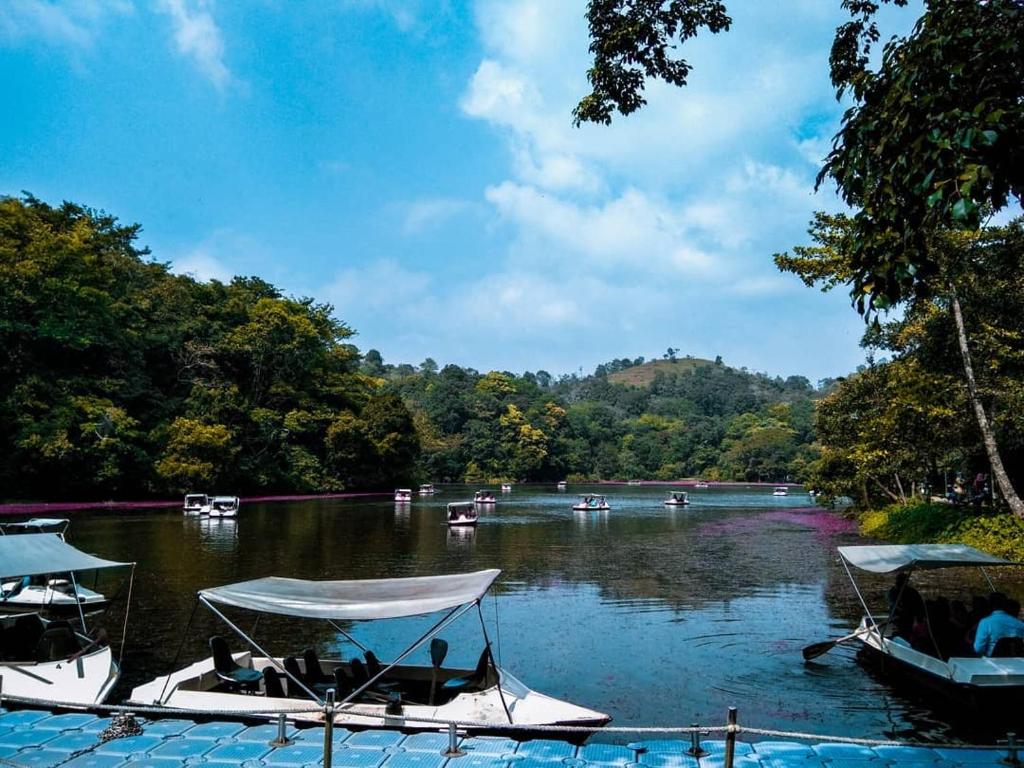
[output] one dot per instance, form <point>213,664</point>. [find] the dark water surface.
<point>656,615</point>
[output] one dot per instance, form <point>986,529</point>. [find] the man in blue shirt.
<point>996,625</point>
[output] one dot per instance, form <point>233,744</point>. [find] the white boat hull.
<point>37,597</point>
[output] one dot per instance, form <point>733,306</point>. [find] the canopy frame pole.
<point>447,619</point>
<point>260,650</point>
<point>984,573</point>
<point>490,655</point>
<point>347,636</point>
<point>127,609</point>
<point>860,597</point>
<point>78,602</point>
<point>177,654</point>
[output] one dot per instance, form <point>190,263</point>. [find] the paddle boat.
<point>371,693</point>
<point>462,513</point>
<point>677,499</point>
<point>982,682</point>
<point>562,485</point>
<point>196,504</point>
<point>701,484</point>
<point>780,491</point>
<point>591,503</point>
<point>506,487</point>
<point>49,659</point>
<point>56,596</point>
<point>634,482</point>
<point>224,506</point>
<point>427,489</point>
<point>57,525</point>
<point>403,495</point>
<point>484,497</point>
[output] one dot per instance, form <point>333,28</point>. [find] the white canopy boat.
<point>677,499</point>
<point>484,497</point>
<point>427,489</point>
<point>373,694</point>
<point>591,503</point>
<point>701,484</point>
<point>224,506</point>
<point>562,485</point>
<point>196,504</point>
<point>506,487</point>
<point>50,660</point>
<point>780,491</point>
<point>57,525</point>
<point>462,513</point>
<point>403,495</point>
<point>968,680</point>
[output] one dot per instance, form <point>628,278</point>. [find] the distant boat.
<point>677,499</point>
<point>781,491</point>
<point>403,495</point>
<point>506,487</point>
<point>591,503</point>
<point>462,513</point>
<point>562,485</point>
<point>701,484</point>
<point>197,504</point>
<point>427,489</point>
<point>484,497</point>
<point>224,506</point>
<point>57,525</point>
<point>634,482</point>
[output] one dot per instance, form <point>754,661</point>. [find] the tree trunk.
<point>987,435</point>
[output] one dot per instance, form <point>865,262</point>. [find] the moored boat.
<point>462,513</point>
<point>403,495</point>
<point>677,499</point>
<point>57,525</point>
<point>427,489</point>
<point>196,504</point>
<point>562,485</point>
<point>371,693</point>
<point>506,487</point>
<point>484,497</point>
<point>591,503</point>
<point>224,506</point>
<point>780,490</point>
<point>701,484</point>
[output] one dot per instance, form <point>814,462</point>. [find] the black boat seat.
<point>230,672</point>
<point>471,682</point>
<point>58,642</point>
<point>272,685</point>
<point>314,670</point>
<point>1008,647</point>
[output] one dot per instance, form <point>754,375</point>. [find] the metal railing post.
<point>730,738</point>
<point>1011,750</point>
<point>453,743</point>
<point>329,728</point>
<point>695,750</point>
<point>282,739</point>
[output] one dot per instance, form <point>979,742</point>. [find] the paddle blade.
<point>818,649</point>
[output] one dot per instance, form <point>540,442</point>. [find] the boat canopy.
<point>35,554</point>
<point>37,524</point>
<point>890,558</point>
<point>359,600</point>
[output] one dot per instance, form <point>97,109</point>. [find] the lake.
<point>653,614</point>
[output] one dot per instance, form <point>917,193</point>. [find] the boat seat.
<point>1008,647</point>
<point>57,642</point>
<point>373,665</point>
<point>473,682</point>
<point>314,670</point>
<point>19,636</point>
<point>230,672</point>
<point>272,686</point>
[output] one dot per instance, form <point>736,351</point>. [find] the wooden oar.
<point>815,650</point>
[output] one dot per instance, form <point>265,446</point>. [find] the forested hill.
<point>119,378</point>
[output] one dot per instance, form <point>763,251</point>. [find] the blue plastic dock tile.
<point>92,760</point>
<point>717,747</point>
<point>97,724</point>
<point>661,745</point>
<point>238,752</point>
<point>130,745</point>
<point>417,759</point>
<point>481,761</point>
<point>24,717</point>
<point>790,750</point>
<point>316,735</point>
<point>843,752</point>
<point>546,749</point>
<point>425,742</point>
<point>671,760</point>
<point>27,737</point>
<point>183,748</point>
<point>39,758</point>
<point>299,754</point>
<point>490,745</point>
<point>606,754</point>
<point>153,762</point>
<point>972,756</point>
<point>844,763</point>
<point>358,758</point>
<point>167,727</point>
<point>264,733</point>
<point>215,730</point>
<point>794,760</point>
<point>72,741</point>
<point>8,751</point>
<point>718,761</point>
<point>69,722</point>
<point>908,754</point>
<point>375,739</point>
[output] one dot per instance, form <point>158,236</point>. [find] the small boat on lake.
<point>701,484</point>
<point>591,503</point>
<point>427,489</point>
<point>224,506</point>
<point>934,659</point>
<point>403,495</point>
<point>562,485</point>
<point>780,490</point>
<point>196,504</point>
<point>677,499</point>
<point>634,482</point>
<point>57,525</point>
<point>462,513</point>
<point>484,497</point>
<point>51,659</point>
<point>506,487</point>
<point>371,693</point>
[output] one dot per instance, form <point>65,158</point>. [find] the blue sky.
<point>414,164</point>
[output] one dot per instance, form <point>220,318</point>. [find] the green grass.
<point>643,375</point>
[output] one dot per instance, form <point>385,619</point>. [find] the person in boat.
<point>996,626</point>
<point>906,607</point>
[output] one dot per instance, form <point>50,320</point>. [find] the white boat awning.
<point>360,600</point>
<point>889,558</point>
<point>34,554</point>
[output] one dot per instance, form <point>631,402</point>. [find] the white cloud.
<point>73,24</point>
<point>197,37</point>
<point>423,215</point>
<point>380,286</point>
<point>202,265</point>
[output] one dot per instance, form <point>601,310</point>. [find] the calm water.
<point>656,615</point>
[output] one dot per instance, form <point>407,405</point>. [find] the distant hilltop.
<point>642,375</point>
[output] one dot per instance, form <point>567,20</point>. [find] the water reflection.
<point>658,616</point>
